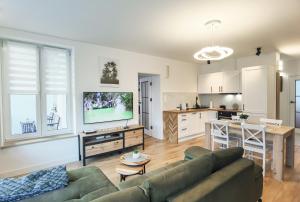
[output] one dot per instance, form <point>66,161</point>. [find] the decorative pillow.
<point>36,183</point>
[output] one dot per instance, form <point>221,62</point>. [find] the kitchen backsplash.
<point>220,99</point>
<point>172,99</point>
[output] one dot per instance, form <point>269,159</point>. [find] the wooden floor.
<point>163,153</point>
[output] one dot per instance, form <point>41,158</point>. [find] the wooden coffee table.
<point>128,168</point>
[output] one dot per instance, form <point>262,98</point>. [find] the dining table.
<point>282,137</point>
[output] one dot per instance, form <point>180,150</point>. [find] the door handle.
<point>292,102</point>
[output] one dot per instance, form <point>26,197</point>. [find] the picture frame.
<point>109,72</point>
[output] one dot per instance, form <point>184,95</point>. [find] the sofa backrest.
<point>224,157</point>
<point>234,183</point>
<point>169,182</point>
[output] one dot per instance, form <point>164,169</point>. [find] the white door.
<point>145,104</point>
<point>203,119</point>
<point>184,124</point>
<point>216,81</point>
<point>295,102</point>
<point>254,88</point>
<point>194,123</point>
<point>212,115</point>
<point>231,82</point>
<point>204,86</point>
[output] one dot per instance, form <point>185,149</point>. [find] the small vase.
<point>136,155</point>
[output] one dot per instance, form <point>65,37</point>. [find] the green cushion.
<point>85,184</point>
<point>226,156</point>
<point>234,183</point>
<point>169,182</point>
<point>132,194</point>
<point>194,152</point>
<point>139,179</point>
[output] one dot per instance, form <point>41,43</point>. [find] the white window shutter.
<point>55,70</point>
<point>22,68</point>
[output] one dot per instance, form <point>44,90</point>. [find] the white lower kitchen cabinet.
<point>193,123</point>
<point>179,126</point>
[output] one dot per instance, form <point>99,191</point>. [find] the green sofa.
<point>203,176</point>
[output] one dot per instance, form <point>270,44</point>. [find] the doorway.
<point>295,102</point>
<point>149,97</point>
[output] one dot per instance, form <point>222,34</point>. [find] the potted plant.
<point>136,154</point>
<point>244,117</point>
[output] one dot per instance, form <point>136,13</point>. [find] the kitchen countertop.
<point>200,110</point>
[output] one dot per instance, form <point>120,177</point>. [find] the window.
<point>36,90</point>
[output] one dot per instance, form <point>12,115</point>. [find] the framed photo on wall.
<point>109,72</point>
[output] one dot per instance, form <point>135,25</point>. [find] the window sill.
<point>14,143</point>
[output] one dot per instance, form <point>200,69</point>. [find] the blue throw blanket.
<point>36,183</point>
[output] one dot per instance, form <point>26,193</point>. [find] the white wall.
<point>291,68</point>
<point>182,78</point>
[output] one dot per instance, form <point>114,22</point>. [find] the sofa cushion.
<point>138,180</point>
<point>194,152</point>
<point>169,182</point>
<point>132,194</point>
<point>85,184</point>
<point>224,157</point>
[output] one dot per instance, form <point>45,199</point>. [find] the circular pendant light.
<point>213,52</point>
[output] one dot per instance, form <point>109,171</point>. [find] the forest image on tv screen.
<point>107,106</point>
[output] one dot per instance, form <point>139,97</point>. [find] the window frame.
<point>41,105</point>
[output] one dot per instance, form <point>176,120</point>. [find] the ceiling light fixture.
<point>213,52</point>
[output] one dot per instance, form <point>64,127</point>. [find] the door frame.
<point>292,98</point>
<point>146,79</point>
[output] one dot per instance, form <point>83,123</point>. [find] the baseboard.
<point>22,171</point>
<point>190,137</point>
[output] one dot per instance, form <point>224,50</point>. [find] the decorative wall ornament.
<point>109,72</point>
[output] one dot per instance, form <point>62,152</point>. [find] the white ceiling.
<point>167,28</point>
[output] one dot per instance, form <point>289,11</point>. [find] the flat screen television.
<point>107,106</point>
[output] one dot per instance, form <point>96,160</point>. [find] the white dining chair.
<point>219,133</point>
<point>269,142</point>
<point>254,142</point>
<point>236,137</point>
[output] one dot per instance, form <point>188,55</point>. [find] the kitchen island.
<point>283,138</point>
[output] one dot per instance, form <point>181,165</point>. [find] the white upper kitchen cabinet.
<point>259,91</point>
<point>204,85</point>
<point>219,82</point>
<point>231,82</point>
<point>216,81</point>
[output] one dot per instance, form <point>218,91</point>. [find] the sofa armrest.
<point>195,152</point>
<point>126,195</point>
<point>234,183</point>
